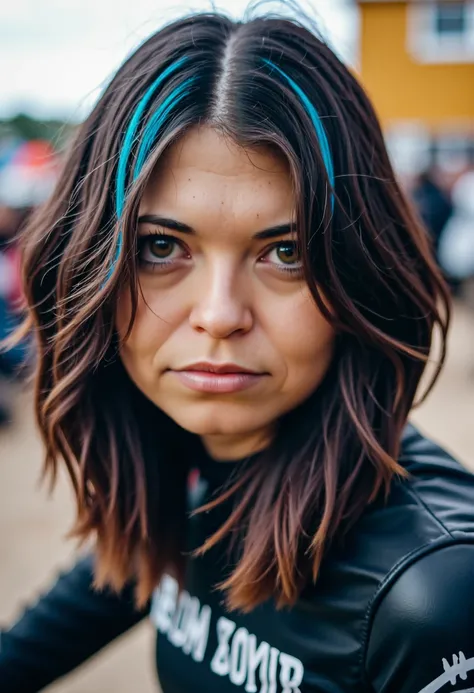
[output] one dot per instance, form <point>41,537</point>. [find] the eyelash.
<point>155,266</point>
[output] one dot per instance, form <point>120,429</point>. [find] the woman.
<point>229,279</point>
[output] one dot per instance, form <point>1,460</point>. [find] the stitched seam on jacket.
<point>395,572</point>
<point>412,492</point>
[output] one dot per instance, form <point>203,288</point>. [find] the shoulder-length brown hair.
<point>363,250</point>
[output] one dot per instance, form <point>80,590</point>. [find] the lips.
<point>218,378</point>
<point>221,368</point>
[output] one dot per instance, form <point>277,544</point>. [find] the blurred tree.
<point>26,127</point>
<point>29,128</point>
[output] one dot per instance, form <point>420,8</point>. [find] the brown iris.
<point>288,253</point>
<point>161,247</point>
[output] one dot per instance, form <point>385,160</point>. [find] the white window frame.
<point>427,45</point>
<point>408,143</point>
<point>453,149</point>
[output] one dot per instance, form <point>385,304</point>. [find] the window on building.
<point>451,18</point>
<point>413,148</point>
<point>441,31</point>
<point>408,144</point>
<point>452,151</point>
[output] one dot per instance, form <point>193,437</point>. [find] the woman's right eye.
<point>158,249</point>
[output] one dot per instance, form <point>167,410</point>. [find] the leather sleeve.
<point>66,626</point>
<point>422,635</point>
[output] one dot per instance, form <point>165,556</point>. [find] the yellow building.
<point>416,60</point>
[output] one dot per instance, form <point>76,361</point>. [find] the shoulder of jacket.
<point>423,614</point>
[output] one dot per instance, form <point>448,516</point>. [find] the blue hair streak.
<point>156,122</point>
<point>318,126</point>
<point>130,139</point>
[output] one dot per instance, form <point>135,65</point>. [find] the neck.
<point>236,447</point>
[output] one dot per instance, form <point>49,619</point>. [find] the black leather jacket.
<point>392,612</point>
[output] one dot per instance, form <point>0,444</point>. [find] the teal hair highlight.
<point>318,126</point>
<point>129,139</point>
<point>148,138</point>
<point>156,122</point>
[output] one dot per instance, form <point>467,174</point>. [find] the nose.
<point>221,305</point>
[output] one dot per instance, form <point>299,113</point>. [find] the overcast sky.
<point>56,54</point>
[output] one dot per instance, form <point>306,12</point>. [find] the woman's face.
<point>227,337</point>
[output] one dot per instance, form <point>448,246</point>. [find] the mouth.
<point>222,378</point>
<point>218,368</point>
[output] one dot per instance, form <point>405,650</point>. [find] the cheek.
<point>149,331</point>
<point>306,341</point>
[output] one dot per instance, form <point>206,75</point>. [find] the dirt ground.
<point>32,526</point>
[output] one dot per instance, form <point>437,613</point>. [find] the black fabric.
<point>349,632</point>
<point>392,612</point>
<point>64,628</point>
<point>423,630</point>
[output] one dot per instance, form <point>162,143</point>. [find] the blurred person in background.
<point>228,279</point>
<point>7,281</point>
<point>27,176</point>
<point>457,244</point>
<point>11,220</point>
<point>433,204</point>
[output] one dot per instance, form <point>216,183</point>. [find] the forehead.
<point>206,179</point>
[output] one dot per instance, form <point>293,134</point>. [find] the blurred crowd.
<point>28,171</point>
<point>446,206</point>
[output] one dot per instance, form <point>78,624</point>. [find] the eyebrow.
<point>174,225</point>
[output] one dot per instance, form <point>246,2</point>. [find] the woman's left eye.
<point>285,256</point>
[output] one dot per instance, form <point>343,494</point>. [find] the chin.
<point>216,420</point>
